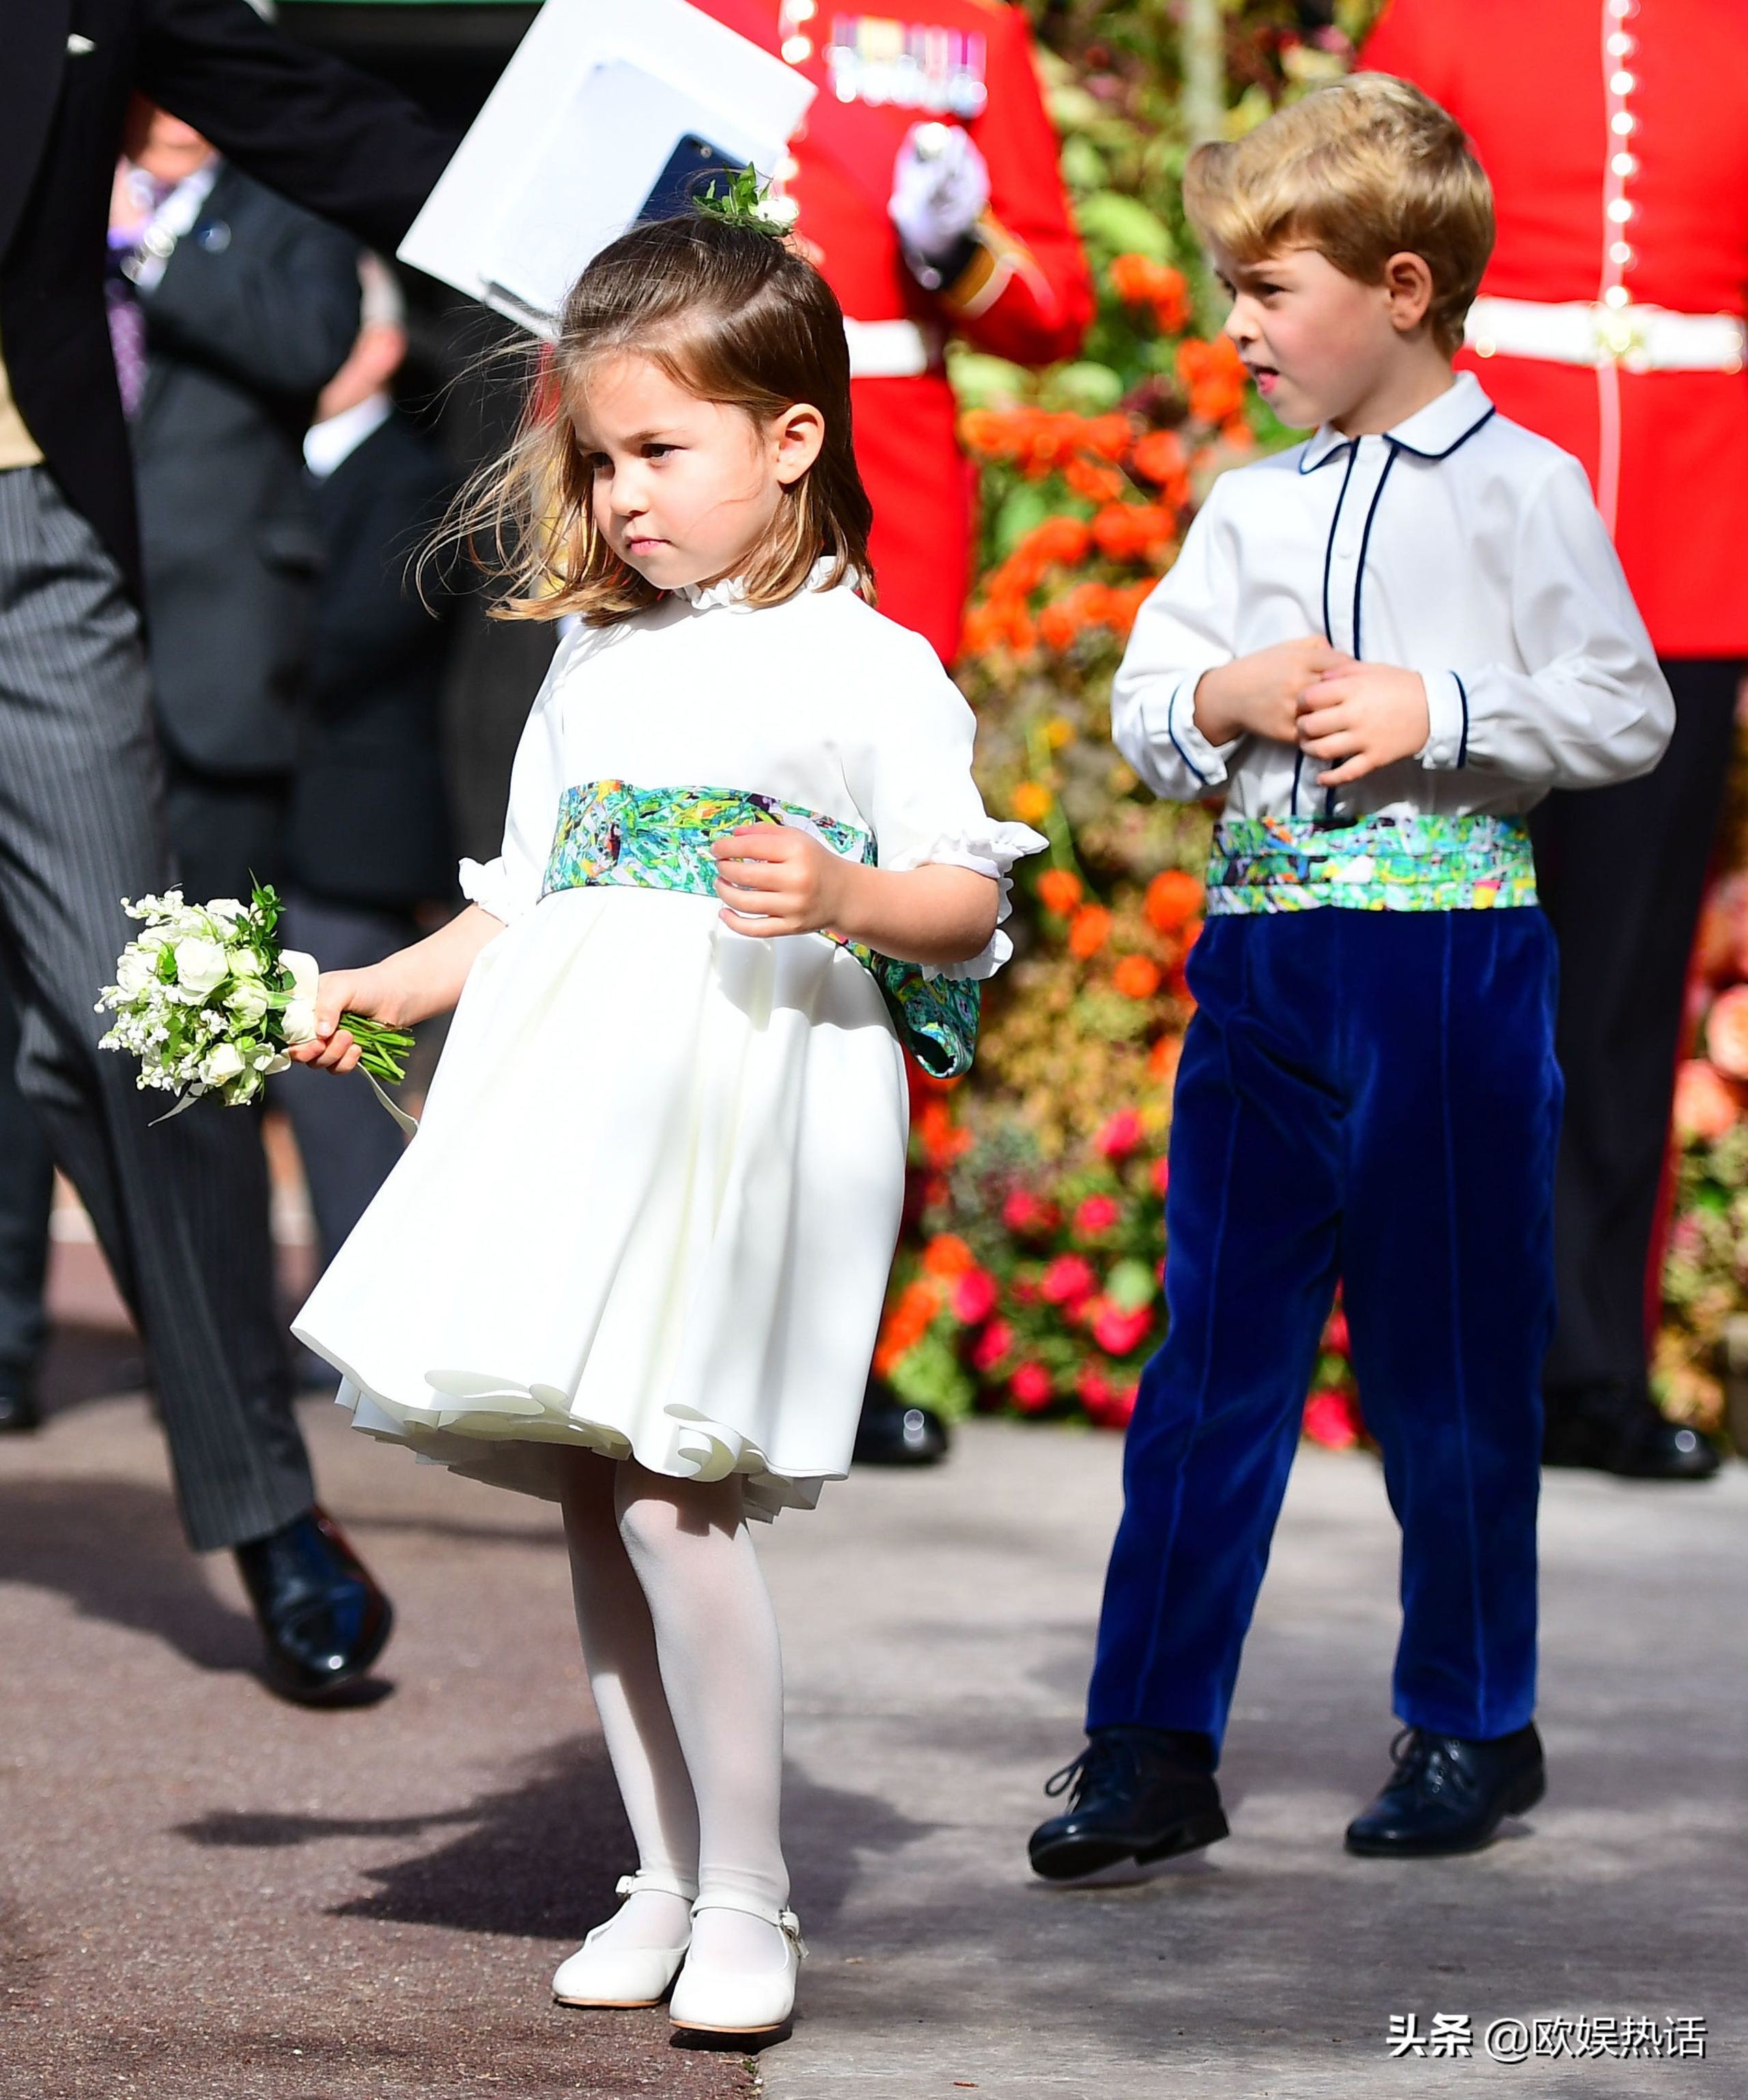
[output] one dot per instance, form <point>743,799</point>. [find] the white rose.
<point>276,1062</point>
<point>303,970</point>
<point>135,972</point>
<point>222,1061</point>
<point>298,1020</point>
<point>248,1002</point>
<point>227,908</point>
<point>201,966</point>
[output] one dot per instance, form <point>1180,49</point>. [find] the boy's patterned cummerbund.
<point>659,838</point>
<point>1420,863</point>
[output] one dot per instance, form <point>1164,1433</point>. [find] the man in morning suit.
<point>252,312</point>
<point>369,839</point>
<point>182,1209</point>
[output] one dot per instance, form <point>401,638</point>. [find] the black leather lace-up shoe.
<point>1133,1793</point>
<point>1620,1429</point>
<point>892,1433</point>
<point>1450,1793</point>
<point>323,1619</point>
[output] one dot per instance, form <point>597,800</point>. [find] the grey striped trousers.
<point>182,1210</point>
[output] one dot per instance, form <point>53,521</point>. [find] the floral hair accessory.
<point>747,203</point>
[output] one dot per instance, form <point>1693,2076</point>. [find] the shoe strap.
<point>656,1881</point>
<point>785,1920</point>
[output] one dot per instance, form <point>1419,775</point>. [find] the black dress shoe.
<point>323,1619</point>
<point>1618,1428</point>
<point>1137,1794</point>
<point>1450,1793</point>
<point>892,1433</point>
<point>18,1403</point>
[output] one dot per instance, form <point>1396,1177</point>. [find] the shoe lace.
<point>1408,1752</point>
<point>1422,1763</point>
<point>1082,1773</point>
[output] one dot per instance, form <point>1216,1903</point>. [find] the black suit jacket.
<point>369,821</point>
<point>336,141</point>
<point>256,307</point>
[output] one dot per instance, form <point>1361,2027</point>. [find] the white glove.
<point>940,185</point>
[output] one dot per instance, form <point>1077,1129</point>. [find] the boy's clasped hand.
<point>1353,718</point>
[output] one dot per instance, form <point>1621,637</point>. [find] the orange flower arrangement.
<point>1139,282</point>
<point>1174,897</point>
<point>946,1254</point>
<point>908,1318</point>
<point>1060,890</point>
<point>1159,457</point>
<point>1137,976</point>
<point>1088,931</point>
<point>1213,374</point>
<point>1129,531</point>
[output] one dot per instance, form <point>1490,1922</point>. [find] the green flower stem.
<point>383,1049</point>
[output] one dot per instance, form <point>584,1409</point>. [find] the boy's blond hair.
<point>1361,170</point>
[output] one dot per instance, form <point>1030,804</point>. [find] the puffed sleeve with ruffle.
<point>911,781</point>
<point>510,885</point>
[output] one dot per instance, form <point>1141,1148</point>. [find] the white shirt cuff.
<point>1171,729</point>
<point>1447,707</point>
<point>488,885</point>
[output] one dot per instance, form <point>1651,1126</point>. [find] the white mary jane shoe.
<point>708,1999</point>
<point>597,1974</point>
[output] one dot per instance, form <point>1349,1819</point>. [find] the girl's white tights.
<point>680,1642</point>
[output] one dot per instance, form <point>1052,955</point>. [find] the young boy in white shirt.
<point>1382,647</point>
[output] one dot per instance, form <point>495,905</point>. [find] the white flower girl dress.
<point>652,1204</point>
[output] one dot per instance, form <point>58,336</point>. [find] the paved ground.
<point>938,1636</point>
<point>204,1895</point>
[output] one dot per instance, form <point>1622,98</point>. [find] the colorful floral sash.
<point>659,838</point>
<point>1420,864</point>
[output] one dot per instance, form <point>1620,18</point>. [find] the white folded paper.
<point>579,131</point>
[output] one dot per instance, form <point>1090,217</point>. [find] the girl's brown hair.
<point>732,314</point>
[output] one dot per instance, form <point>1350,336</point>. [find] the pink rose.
<point>1120,1409</point>
<point>1727,1032</point>
<point>1117,1332</point>
<point>1030,1387</point>
<point>995,1342</point>
<point>1330,1420</point>
<point>1706,1106</point>
<point>1093,1388</point>
<point>1161,1175</point>
<point>1068,1280</point>
<point>1121,1135</point>
<point>975,1297</point>
<point>1095,1214</point>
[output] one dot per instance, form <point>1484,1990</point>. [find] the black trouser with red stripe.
<point>1621,871</point>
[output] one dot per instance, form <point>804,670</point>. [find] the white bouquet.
<point>209,1002</point>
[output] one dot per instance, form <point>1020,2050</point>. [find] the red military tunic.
<point>1617,140</point>
<point>1026,296</point>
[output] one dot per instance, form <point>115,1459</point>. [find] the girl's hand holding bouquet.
<point>349,1008</point>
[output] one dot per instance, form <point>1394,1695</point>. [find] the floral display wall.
<point>1028,1275</point>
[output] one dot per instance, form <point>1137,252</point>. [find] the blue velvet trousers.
<point>1369,1097</point>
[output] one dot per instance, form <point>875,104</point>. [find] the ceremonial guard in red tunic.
<point>927,192</point>
<point>1611,320</point>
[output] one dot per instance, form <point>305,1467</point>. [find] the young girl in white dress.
<point>634,1259</point>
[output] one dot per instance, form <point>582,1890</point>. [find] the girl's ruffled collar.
<point>731,591</point>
